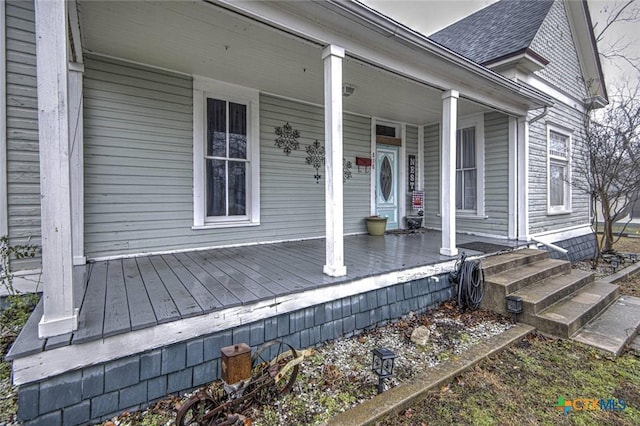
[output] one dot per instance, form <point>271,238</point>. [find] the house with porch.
<point>199,173</point>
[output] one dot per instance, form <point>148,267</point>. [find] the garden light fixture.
<point>382,365</point>
<point>514,306</point>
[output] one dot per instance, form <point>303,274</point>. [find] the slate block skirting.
<point>96,393</point>
<point>580,248</point>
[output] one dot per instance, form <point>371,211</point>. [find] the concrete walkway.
<point>403,396</point>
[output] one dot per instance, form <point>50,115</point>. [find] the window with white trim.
<point>226,154</point>
<point>470,166</point>
<point>559,171</point>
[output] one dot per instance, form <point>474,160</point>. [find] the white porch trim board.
<point>402,176</point>
<point>512,224</point>
<point>448,179</point>
<point>4,203</point>
<point>564,234</point>
<point>420,180</point>
<point>76,138</point>
<point>334,203</point>
<point>59,316</point>
<point>523,178</point>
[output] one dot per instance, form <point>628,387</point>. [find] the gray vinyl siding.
<point>496,178</point>
<point>539,221</point>
<point>411,149</point>
<point>496,168</point>
<point>139,166</point>
<point>23,166</point>
<point>555,42</point>
<point>432,176</point>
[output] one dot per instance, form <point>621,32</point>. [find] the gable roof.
<point>499,30</point>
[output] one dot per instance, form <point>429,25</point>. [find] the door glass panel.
<point>386,178</point>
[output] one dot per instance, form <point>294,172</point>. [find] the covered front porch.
<point>138,304</point>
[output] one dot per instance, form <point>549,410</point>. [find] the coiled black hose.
<point>469,276</point>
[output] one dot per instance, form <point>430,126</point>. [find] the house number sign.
<point>412,173</point>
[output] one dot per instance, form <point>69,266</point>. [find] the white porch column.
<point>523,179</point>
<point>448,179</point>
<point>332,57</point>
<point>55,168</point>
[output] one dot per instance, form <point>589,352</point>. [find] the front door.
<point>387,184</point>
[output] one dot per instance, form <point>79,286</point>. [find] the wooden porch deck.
<point>130,294</point>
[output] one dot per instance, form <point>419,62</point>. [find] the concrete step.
<point>538,296</point>
<point>614,327</point>
<point>564,318</point>
<point>498,286</point>
<point>635,344</point>
<point>495,264</point>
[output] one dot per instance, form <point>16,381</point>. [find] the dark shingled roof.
<point>497,31</point>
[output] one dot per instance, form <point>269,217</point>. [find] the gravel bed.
<point>337,376</point>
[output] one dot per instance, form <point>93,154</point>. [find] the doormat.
<point>484,247</point>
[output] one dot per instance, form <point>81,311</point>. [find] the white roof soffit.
<point>294,17</point>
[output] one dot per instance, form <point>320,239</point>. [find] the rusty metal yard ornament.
<point>269,373</point>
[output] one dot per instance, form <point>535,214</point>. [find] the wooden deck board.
<point>140,308</point>
<point>186,304</point>
<point>212,273</point>
<point>116,311</point>
<point>58,341</point>
<point>266,267</point>
<point>202,292</point>
<point>91,317</point>
<point>258,284</point>
<point>26,343</point>
<point>218,289</point>
<point>163,306</point>
<point>296,269</point>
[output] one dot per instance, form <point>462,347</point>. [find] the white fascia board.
<point>383,42</point>
<point>559,95</point>
<point>587,48</point>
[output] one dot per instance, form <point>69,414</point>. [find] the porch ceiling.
<point>202,39</point>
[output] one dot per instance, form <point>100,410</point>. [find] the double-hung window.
<point>470,166</point>
<point>559,171</point>
<point>466,170</point>
<point>226,155</point>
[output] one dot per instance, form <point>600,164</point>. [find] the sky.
<point>429,16</point>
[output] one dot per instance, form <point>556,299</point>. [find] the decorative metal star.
<point>287,138</point>
<point>316,158</point>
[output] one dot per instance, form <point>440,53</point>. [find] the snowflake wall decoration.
<point>316,158</point>
<point>287,138</point>
<point>346,170</point>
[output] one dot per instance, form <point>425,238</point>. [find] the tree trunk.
<point>608,226</point>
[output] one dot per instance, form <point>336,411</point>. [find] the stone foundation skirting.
<point>580,248</point>
<point>96,393</point>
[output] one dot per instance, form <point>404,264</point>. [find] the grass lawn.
<point>522,386</point>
